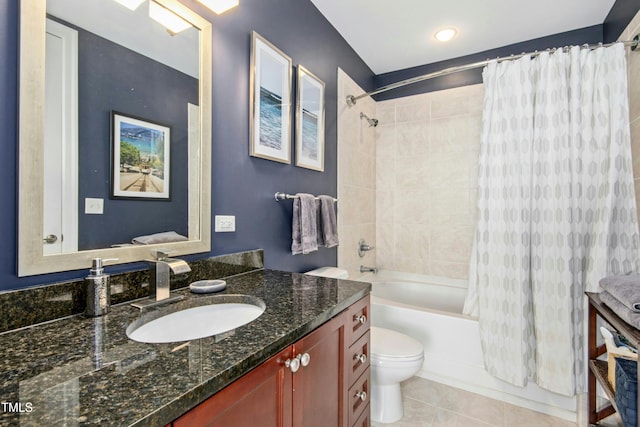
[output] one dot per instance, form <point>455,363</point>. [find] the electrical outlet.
<point>93,206</point>
<point>225,223</point>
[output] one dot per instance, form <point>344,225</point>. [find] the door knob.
<point>362,395</point>
<point>50,239</point>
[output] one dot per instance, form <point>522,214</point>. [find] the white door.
<point>60,228</point>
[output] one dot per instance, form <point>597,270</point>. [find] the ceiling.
<point>391,35</point>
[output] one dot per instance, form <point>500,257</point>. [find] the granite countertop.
<point>81,371</point>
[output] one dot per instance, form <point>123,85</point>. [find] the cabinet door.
<point>260,398</point>
<point>318,388</point>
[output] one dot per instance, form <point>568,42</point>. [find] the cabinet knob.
<point>293,364</point>
<point>362,395</point>
<point>360,319</point>
<point>304,359</point>
<point>360,357</point>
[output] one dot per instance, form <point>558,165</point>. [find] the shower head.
<point>372,122</point>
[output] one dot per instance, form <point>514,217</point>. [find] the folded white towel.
<point>303,225</point>
<point>164,237</point>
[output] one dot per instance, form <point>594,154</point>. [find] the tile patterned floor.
<point>431,404</point>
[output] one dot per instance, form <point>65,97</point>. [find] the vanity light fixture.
<point>220,6</point>
<point>130,4</point>
<point>170,20</point>
<point>446,34</point>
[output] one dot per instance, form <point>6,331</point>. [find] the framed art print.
<point>309,121</point>
<point>140,166</point>
<point>270,101</point>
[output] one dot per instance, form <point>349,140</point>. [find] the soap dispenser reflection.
<point>98,289</point>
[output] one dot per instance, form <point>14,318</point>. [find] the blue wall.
<point>108,72</point>
<point>241,185</point>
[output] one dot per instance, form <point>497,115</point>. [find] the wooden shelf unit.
<point>598,369</point>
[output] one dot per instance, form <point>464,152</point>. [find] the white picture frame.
<point>310,120</point>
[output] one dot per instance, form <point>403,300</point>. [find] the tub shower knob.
<point>293,364</point>
<point>304,359</point>
<point>363,247</point>
<point>362,395</point>
<point>360,357</point>
<point>360,319</point>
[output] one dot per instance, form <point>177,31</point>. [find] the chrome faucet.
<point>159,284</point>
<point>364,269</point>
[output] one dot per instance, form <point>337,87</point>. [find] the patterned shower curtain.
<point>556,206</point>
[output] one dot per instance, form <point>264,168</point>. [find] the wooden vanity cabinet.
<point>316,394</point>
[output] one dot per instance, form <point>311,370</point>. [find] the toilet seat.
<point>394,346</point>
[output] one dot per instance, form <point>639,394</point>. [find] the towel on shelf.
<point>327,223</point>
<point>303,225</point>
<point>625,289</point>
<point>164,237</point>
<point>620,309</point>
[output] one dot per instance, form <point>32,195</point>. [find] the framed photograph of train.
<point>270,115</point>
<point>140,161</point>
<point>309,121</point>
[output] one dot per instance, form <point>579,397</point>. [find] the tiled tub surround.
<point>43,303</point>
<point>426,186</point>
<point>85,371</point>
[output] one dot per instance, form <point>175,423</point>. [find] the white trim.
<point>69,128</point>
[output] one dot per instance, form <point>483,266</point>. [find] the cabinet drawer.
<point>358,322</point>
<point>365,418</point>
<point>359,395</point>
<point>357,358</point>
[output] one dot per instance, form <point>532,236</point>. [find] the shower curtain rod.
<point>352,99</point>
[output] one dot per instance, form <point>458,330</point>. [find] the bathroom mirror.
<point>153,80</point>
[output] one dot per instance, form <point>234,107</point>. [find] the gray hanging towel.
<point>303,225</point>
<point>327,223</point>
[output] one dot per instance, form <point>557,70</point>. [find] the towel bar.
<point>283,196</point>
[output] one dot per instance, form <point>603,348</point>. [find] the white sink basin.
<point>221,315</point>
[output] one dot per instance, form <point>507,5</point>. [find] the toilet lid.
<point>388,343</point>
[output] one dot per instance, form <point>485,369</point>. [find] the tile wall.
<point>426,181</point>
<point>356,177</point>
<point>633,64</point>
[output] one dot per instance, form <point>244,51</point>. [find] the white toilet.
<point>394,357</point>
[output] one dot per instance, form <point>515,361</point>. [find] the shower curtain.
<point>556,209</point>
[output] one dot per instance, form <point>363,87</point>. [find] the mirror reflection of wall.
<point>134,67</point>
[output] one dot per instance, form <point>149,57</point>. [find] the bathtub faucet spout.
<point>364,269</point>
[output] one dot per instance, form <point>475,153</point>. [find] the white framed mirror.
<point>160,82</point>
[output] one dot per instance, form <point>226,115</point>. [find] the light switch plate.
<point>93,206</point>
<point>225,223</point>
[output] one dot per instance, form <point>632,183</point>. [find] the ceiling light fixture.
<point>164,16</point>
<point>220,6</point>
<point>446,34</point>
<point>130,4</point>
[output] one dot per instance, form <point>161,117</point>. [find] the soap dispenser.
<point>98,289</point>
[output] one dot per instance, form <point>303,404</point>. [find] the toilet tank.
<point>333,272</point>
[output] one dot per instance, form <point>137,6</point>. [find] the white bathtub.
<point>430,309</point>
